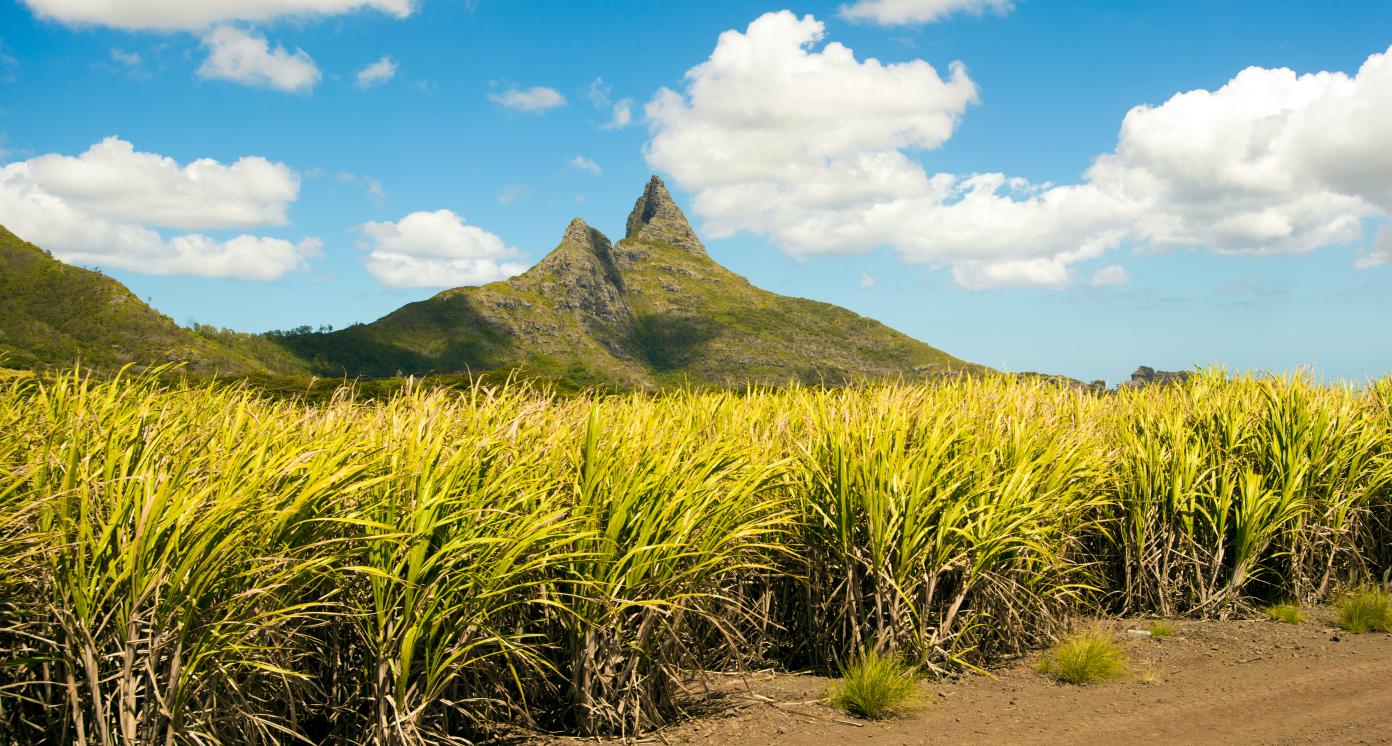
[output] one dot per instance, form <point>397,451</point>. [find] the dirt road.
<point>1230,682</point>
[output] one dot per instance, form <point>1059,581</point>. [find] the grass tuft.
<point>1288,613</point>
<point>1366,610</point>
<point>1161,628</point>
<point>875,687</point>
<point>1084,658</point>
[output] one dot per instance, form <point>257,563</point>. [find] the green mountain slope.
<point>53,315</point>
<point>653,309</point>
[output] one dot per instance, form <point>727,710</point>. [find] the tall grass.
<point>205,565</point>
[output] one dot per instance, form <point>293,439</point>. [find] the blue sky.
<point>1239,228</point>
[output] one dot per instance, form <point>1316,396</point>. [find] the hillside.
<point>54,314</point>
<point>652,309</point>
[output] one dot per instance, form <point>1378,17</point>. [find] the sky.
<point>1070,187</point>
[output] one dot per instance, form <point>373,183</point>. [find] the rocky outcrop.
<point>654,309</point>
<point>657,219</point>
<point>1148,376</point>
<point>580,276</point>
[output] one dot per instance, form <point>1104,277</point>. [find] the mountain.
<point>54,314</point>
<point>653,309</point>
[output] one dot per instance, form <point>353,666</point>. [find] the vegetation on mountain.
<point>653,309</point>
<point>54,315</point>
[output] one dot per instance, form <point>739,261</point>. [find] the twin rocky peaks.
<point>653,309</point>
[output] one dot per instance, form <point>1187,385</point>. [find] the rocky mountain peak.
<point>657,219</point>
<point>579,232</point>
<point>580,275</point>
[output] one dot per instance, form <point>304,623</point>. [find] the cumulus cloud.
<point>534,100</point>
<point>1271,162</point>
<point>104,207</point>
<point>813,147</point>
<point>1012,273</point>
<point>113,180</point>
<point>904,12</point>
<point>1112,274</point>
<point>246,57</point>
<point>436,249</point>
<point>377,73</point>
<point>581,163</point>
<point>191,15</point>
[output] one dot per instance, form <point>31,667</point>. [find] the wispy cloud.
<point>1112,274</point>
<point>129,59</point>
<point>511,193</point>
<point>905,12</point>
<point>195,15</point>
<point>581,163</point>
<point>376,73</point>
<point>621,112</point>
<point>534,100</point>
<point>372,187</point>
<point>9,64</point>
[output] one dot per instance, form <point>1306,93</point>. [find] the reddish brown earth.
<point>1228,682</point>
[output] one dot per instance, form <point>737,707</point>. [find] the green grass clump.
<point>1161,628</point>
<point>876,686</point>
<point>1085,658</point>
<point>1288,613</point>
<point>1366,610</point>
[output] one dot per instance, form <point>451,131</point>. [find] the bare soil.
<point>1229,682</point>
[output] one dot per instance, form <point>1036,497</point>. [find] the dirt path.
<point>1234,682</point>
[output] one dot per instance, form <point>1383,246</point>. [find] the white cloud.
<point>581,163</point>
<point>1012,273</point>
<point>534,100</point>
<point>903,12</point>
<point>436,249</point>
<point>1382,250</point>
<point>1272,162</point>
<point>115,181</point>
<point>245,57</point>
<point>1112,274</point>
<point>244,257</point>
<point>198,14</point>
<point>377,73</point>
<point>813,149</point>
<point>866,280</point>
<point>103,208</point>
